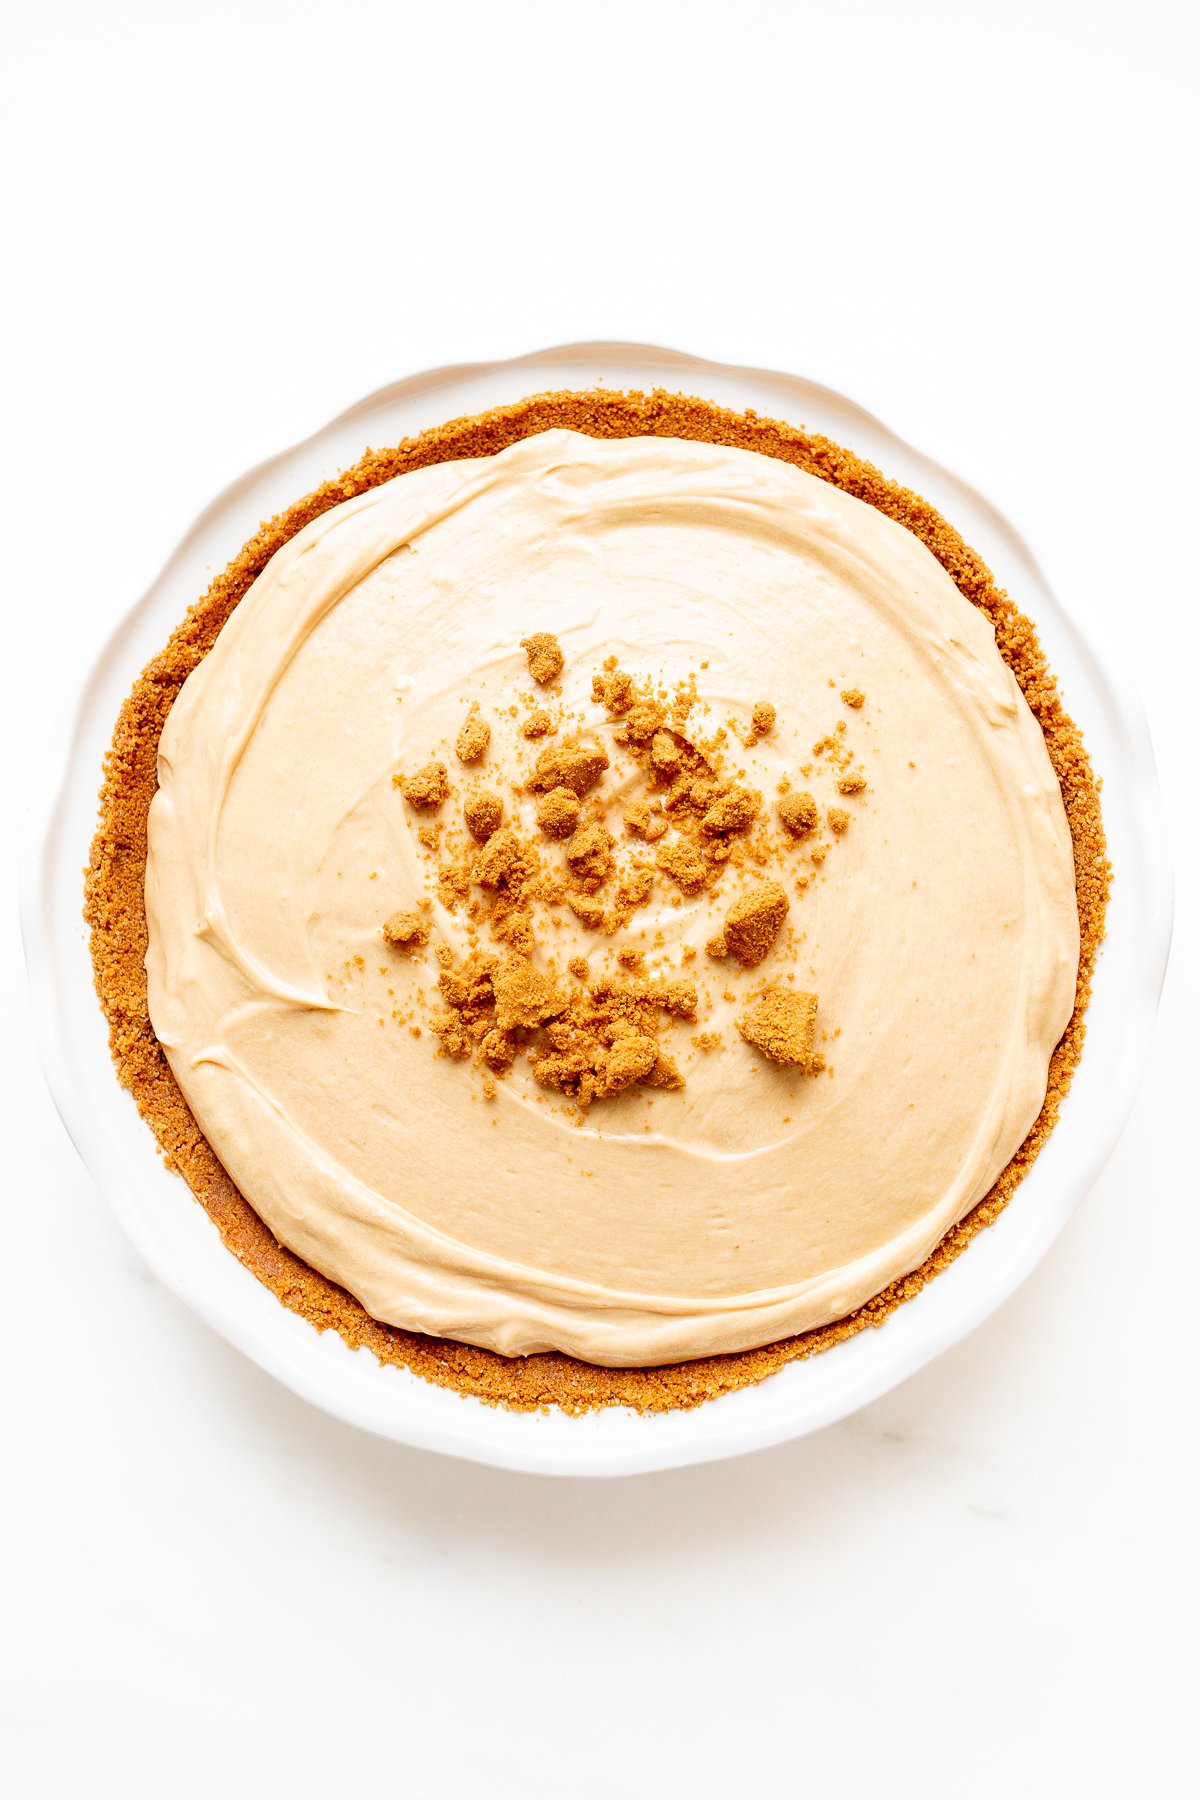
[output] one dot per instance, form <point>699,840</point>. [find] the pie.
<point>599,901</point>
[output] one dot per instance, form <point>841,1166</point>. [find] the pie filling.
<point>609,896</point>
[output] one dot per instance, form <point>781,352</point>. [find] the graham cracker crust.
<point>115,901</point>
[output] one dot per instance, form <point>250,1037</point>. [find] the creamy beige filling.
<point>940,932</point>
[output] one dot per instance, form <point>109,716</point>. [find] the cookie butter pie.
<point>599,901</point>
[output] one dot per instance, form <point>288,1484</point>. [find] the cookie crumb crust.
<point>114,900</point>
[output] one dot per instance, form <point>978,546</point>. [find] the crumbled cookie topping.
<point>543,653</point>
<point>558,812</point>
<point>482,813</point>
<point>781,1025</point>
<point>691,822</point>
<point>426,788</point>
<point>762,722</point>
<point>753,923</point>
<point>474,737</point>
<point>798,814</point>
<point>408,931</point>
<point>538,724</point>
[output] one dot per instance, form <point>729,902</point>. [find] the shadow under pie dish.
<point>858,797</point>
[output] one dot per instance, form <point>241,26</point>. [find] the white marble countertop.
<point>986,1582</point>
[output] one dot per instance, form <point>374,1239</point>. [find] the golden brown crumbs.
<point>589,1045</point>
<point>558,812</point>
<point>482,814</point>
<point>426,788</point>
<point>613,690</point>
<point>642,721</point>
<point>754,921</point>
<point>666,753</point>
<point>475,734</point>
<point>633,890</point>
<point>587,1069</point>
<point>781,1025</point>
<point>839,819</point>
<point>589,855</point>
<point>538,724</point>
<point>641,820</point>
<point>684,699</point>
<point>851,784</point>
<point>798,814</point>
<point>115,902</point>
<point>734,811</point>
<point>543,653</point>
<point>468,1022</point>
<point>762,720</point>
<point>502,861</point>
<point>588,910</point>
<point>685,866</point>
<point>607,1039</point>
<point>853,697</point>
<point>577,764</point>
<point>408,931</point>
<point>454,882</point>
<point>524,996</point>
<point>716,947</point>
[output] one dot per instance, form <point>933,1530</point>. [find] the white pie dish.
<point>175,1236</point>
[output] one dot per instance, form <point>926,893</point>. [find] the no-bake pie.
<point>600,900</point>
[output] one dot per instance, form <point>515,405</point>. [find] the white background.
<point>222,224</point>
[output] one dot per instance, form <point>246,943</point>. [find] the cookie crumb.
<point>407,931</point>
<point>426,788</point>
<point>589,854</point>
<point>753,923</point>
<point>482,814</point>
<point>798,814</point>
<point>539,724</point>
<point>781,1025</point>
<point>501,860</point>
<point>558,812</point>
<point>525,998</point>
<point>475,734</point>
<point>543,653</point>
<point>666,753</point>
<point>642,821</point>
<point>606,1039</point>
<point>577,765</point>
<point>853,697</point>
<point>647,717</point>
<point>732,812</point>
<point>614,690</point>
<point>685,866</point>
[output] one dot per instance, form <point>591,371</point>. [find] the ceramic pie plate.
<point>176,1237</point>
